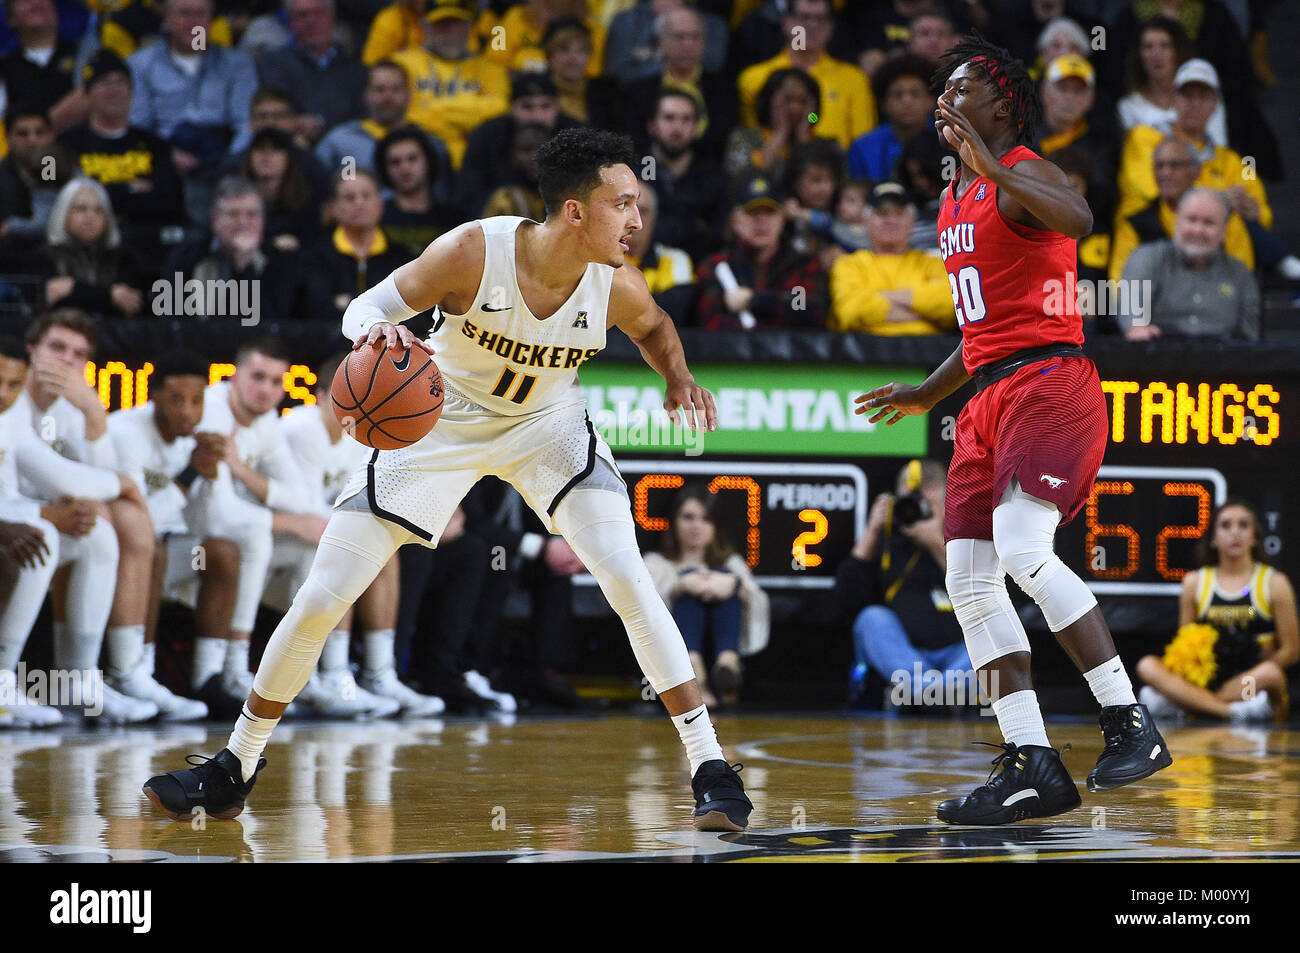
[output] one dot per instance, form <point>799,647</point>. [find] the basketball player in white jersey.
<point>521,306</point>
<point>188,489</point>
<point>327,457</point>
<point>267,487</point>
<point>71,534</point>
<point>67,414</point>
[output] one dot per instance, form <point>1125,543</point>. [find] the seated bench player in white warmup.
<point>73,536</point>
<point>189,491</point>
<point>521,306</point>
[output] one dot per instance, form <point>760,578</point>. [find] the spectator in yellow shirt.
<point>518,44</point>
<point>848,108</point>
<point>397,27</point>
<point>1196,95</point>
<point>891,289</point>
<point>452,91</point>
<point>1175,167</point>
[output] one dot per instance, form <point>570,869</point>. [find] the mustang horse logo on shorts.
<point>1054,482</point>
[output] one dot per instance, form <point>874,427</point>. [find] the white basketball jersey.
<point>502,357</point>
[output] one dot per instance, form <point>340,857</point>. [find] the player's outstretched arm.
<point>904,400</point>
<point>633,310</point>
<point>447,273</point>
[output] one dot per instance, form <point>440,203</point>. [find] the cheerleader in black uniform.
<point>1237,635</point>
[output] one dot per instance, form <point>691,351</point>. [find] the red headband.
<point>1003,82</point>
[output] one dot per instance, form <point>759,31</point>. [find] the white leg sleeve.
<point>24,605</point>
<point>977,588</point>
<point>354,548</point>
<point>1023,529</point>
<point>598,525</point>
<point>92,581</point>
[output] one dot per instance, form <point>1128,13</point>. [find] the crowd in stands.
<point>249,138</point>
<point>791,179</point>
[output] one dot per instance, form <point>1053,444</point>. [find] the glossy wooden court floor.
<point>616,788</point>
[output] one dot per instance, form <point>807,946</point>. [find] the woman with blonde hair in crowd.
<point>84,262</point>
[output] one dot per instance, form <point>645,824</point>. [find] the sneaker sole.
<point>1164,761</point>
<point>1032,810</point>
<point>226,815</point>
<point>717,821</point>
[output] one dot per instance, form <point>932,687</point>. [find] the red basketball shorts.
<point>1045,425</point>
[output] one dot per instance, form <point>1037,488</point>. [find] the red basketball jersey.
<point>1013,286</point>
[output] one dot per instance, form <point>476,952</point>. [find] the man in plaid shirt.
<point>778,286</point>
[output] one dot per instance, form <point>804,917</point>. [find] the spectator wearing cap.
<point>848,108</point>
<point>452,90</point>
<point>902,87</point>
<point>644,38</point>
<point>1162,47</point>
<point>1217,39</point>
<point>1068,94</point>
<point>43,68</point>
<point>1197,94</point>
<point>327,82</point>
<point>524,30</point>
<point>777,287</point>
<point>691,188</point>
<point>1175,167</point>
<point>891,289</point>
<point>133,164</point>
<point>534,100</point>
<point>683,62</point>
<point>408,168</point>
<point>590,100</point>
<point>1196,289</point>
<point>396,27</point>
<point>196,97</point>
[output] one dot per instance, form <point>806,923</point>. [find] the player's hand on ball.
<point>393,336</point>
<point>902,400</point>
<point>699,412</point>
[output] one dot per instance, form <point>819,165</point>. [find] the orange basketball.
<point>387,399</point>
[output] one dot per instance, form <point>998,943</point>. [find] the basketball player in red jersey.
<point>1028,444</point>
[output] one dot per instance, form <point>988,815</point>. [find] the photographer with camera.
<point>892,587</point>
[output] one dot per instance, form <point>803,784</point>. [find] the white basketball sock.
<point>248,739</point>
<point>236,664</point>
<point>1020,719</point>
<point>125,647</point>
<point>379,649</point>
<point>334,657</point>
<point>1110,684</point>
<point>149,659</point>
<point>209,657</point>
<point>697,734</point>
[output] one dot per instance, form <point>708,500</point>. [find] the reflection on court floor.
<point>616,788</point>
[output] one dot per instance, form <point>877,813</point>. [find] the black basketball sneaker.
<point>720,800</point>
<point>1026,781</point>
<point>214,785</point>
<point>1134,748</point>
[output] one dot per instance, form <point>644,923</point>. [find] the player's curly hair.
<point>180,362</point>
<point>1005,72</point>
<point>569,164</point>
